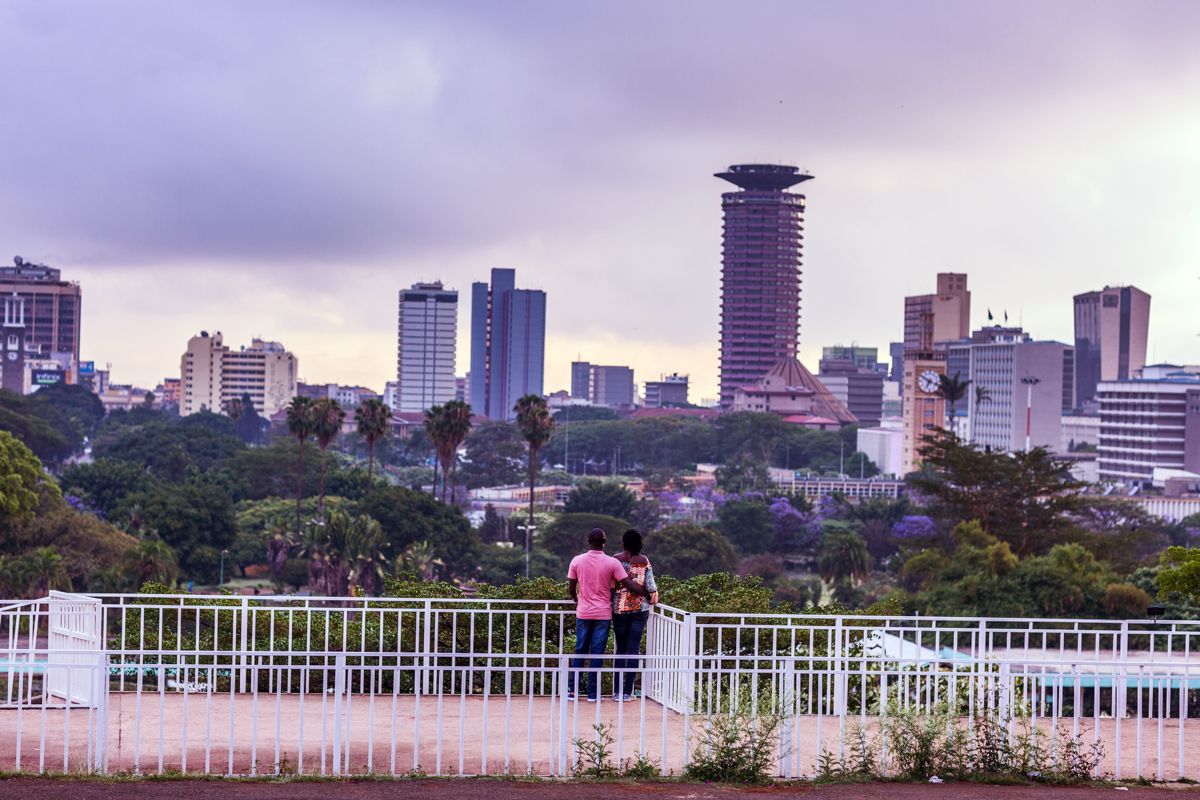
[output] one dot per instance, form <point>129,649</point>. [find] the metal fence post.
<point>339,689</point>
<point>243,659</point>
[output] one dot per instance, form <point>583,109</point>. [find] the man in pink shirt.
<point>590,580</point>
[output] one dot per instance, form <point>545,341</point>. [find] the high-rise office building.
<point>1111,329</point>
<point>671,390</point>
<point>603,386</point>
<point>52,309</point>
<point>861,357</point>
<point>212,374</point>
<point>760,294</point>
<point>428,334</point>
<point>858,388</point>
<point>508,344</point>
<point>939,317</point>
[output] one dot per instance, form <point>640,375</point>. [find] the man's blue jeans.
<point>628,630</point>
<point>591,636</point>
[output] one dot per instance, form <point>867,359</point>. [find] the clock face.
<point>929,381</point>
<point>12,356</point>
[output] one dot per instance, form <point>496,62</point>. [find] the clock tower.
<point>924,406</point>
<point>13,370</point>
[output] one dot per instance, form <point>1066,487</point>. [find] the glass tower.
<point>760,275</point>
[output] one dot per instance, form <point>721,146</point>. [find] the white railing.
<point>241,685</point>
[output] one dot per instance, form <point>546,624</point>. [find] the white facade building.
<point>885,447</point>
<point>427,339</point>
<point>1002,369</point>
<point>1149,424</point>
<point>212,374</point>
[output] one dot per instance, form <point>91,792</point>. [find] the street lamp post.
<point>1029,382</point>
<point>529,529</point>
<point>222,584</point>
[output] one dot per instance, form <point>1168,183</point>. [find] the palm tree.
<point>327,424</point>
<point>300,425</point>
<point>279,542</point>
<point>843,555</point>
<point>12,581</point>
<point>436,433</point>
<point>537,426</point>
<point>235,409</point>
<point>419,558</point>
<point>982,395</point>
<point>455,425</point>
<point>374,422</point>
<point>364,555</point>
<point>44,570</point>
<point>953,390</point>
<point>151,561</point>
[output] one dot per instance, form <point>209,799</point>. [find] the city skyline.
<point>1044,148</point>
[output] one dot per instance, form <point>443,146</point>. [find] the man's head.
<point>596,539</point>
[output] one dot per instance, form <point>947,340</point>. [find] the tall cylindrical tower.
<point>760,274</point>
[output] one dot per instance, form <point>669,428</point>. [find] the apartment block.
<point>212,374</point>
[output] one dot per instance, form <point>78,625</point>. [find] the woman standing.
<point>631,612</point>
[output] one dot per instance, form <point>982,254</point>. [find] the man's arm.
<point>636,588</point>
<point>571,584</point>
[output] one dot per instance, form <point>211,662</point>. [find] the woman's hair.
<point>632,541</point>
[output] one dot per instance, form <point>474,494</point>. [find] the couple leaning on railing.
<point>610,593</point>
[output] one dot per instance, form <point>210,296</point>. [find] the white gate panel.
<point>75,645</point>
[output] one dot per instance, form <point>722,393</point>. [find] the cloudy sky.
<point>283,169</point>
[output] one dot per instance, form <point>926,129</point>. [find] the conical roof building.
<point>824,404</point>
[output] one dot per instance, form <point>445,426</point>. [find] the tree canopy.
<point>158,446</point>
<point>409,517</point>
<point>197,522</point>
<point>592,496</point>
<point>566,537</point>
<point>22,480</point>
<point>685,551</point>
<point>1023,498</point>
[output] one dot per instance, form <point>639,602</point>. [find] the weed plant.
<point>737,740</point>
<point>996,748</point>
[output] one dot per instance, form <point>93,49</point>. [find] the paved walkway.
<point>447,736</point>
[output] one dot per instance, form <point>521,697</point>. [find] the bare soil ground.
<point>450,789</point>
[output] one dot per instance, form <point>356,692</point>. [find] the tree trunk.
<point>370,469</point>
<point>532,482</point>
<point>454,479</point>
<point>299,488</point>
<point>321,502</point>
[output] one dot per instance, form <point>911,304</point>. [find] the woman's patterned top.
<point>624,601</point>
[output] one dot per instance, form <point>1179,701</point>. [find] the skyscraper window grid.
<point>760,298</point>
